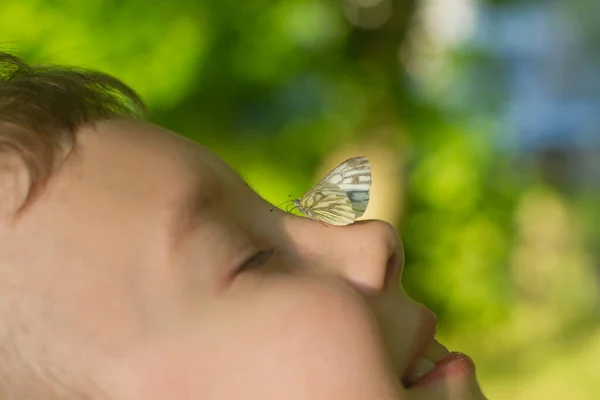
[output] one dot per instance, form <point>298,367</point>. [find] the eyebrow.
<point>204,194</point>
<point>196,201</point>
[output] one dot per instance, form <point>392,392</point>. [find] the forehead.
<point>140,167</point>
<point>146,156</point>
<point>140,142</point>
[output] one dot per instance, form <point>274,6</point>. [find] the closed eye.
<point>258,259</point>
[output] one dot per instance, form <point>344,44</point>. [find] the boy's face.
<point>149,266</point>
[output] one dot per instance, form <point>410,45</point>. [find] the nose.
<point>371,257</point>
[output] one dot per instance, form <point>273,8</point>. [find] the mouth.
<point>437,363</point>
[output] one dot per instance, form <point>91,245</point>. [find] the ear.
<point>14,184</point>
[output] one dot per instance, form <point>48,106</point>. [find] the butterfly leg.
<point>289,210</point>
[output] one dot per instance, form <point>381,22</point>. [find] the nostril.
<point>391,269</point>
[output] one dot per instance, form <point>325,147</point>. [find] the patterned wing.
<point>353,177</point>
<point>328,203</point>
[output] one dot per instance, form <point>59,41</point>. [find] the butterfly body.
<point>341,196</point>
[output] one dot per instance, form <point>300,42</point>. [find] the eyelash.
<point>258,259</point>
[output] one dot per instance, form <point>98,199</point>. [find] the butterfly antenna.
<point>289,195</point>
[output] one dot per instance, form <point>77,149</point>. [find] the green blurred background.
<point>480,118</point>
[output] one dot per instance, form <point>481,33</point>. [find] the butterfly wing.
<point>328,203</point>
<point>353,177</point>
<point>341,196</point>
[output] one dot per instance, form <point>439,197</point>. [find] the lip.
<point>454,366</point>
<point>425,336</point>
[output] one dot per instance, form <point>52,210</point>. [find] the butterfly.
<point>341,196</point>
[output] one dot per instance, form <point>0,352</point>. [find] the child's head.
<point>136,264</point>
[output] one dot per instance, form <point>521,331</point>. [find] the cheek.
<point>286,340</point>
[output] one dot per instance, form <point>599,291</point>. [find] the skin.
<point>130,274</point>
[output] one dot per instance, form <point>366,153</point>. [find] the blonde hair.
<point>41,108</point>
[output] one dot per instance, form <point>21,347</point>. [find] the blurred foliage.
<point>275,87</point>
